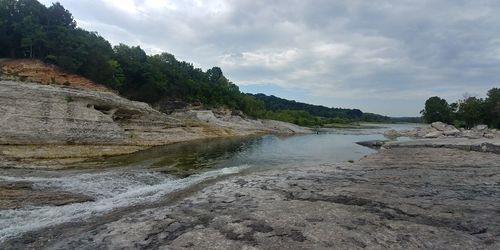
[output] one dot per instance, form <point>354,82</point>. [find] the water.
<point>147,176</point>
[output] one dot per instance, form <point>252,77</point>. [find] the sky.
<point>384,57</point>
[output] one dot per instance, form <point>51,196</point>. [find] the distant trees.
<point>467,112</point>
<point>274,103</point>
<point>436,109</point>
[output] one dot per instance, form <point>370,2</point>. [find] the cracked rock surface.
<point>399,198</point>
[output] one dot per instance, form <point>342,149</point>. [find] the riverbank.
<point>44,125</point>
<point>400,197</point>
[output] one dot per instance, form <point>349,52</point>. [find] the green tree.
<point>470,110</point>
<point>492,108</point>
<point>436,109</point>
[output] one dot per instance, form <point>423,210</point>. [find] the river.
<point>148,176</point>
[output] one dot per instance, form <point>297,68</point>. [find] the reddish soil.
<point>39,72</point>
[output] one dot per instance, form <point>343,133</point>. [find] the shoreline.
<point>52,121</point>
<point>399,197</point>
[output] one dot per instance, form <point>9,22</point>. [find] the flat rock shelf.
<point>399,198</point>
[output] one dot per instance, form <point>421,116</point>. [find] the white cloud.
<point>343,49</point>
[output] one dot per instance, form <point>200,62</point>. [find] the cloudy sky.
<point>381,56</point>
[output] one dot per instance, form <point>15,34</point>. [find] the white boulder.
<point>392,133</point>
<point>435,134</point>
<point>439,125</point>
<point>489,136</point>
<point>451,131</point>
<point>472,134</point>
<point>480,127</point>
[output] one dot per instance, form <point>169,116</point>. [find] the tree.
<point>492,108</point>
<point>470,110</point>
<point>214,74</point>
<point>58,15</point>
<point>436,109</point>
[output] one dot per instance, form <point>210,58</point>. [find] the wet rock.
<point>15,195</point>
<point>373,143</point>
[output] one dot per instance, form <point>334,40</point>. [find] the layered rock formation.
<point>44,114</point>
<point>53,115</point>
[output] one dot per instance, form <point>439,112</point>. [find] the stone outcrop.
<point>44,115</point>
<point>434,134</point>
<point>479,145</point>
<point>439,126</point>
<point>442,130</point>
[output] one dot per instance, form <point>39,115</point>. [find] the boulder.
<point>472,134</point>
<point>372,144</point>
<point>480,127</point>
<point>391,133</point>
<point>435,134</point>
<point>408,133</point>
<point>489,136</point>
<point>450,130</point>
<point>439,125</point>
<point>421,132</point>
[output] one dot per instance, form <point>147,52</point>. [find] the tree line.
<point>311,115</point>
<point>467,112</point>
<point>29,29</point>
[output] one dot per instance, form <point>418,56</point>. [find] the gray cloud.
<point>370,53</point>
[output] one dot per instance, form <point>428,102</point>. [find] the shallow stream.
<point>147,176</point>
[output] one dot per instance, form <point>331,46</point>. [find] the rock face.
<point>43,114</point>
<point>225,119</point>
<point>35,114</point>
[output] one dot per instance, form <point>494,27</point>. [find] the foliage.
<point>436,109</point>
<point>276,104</point>
<point>468,112</point>
<point>492,108</point>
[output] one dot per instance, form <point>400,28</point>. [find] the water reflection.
<point>262,152</point>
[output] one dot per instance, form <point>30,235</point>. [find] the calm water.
<point>147,176</point>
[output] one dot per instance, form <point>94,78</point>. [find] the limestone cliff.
<point>35,117</point>
<point>44,114</point>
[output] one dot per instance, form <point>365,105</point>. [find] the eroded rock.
<point>439,126</point>
<point>435,134</point>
